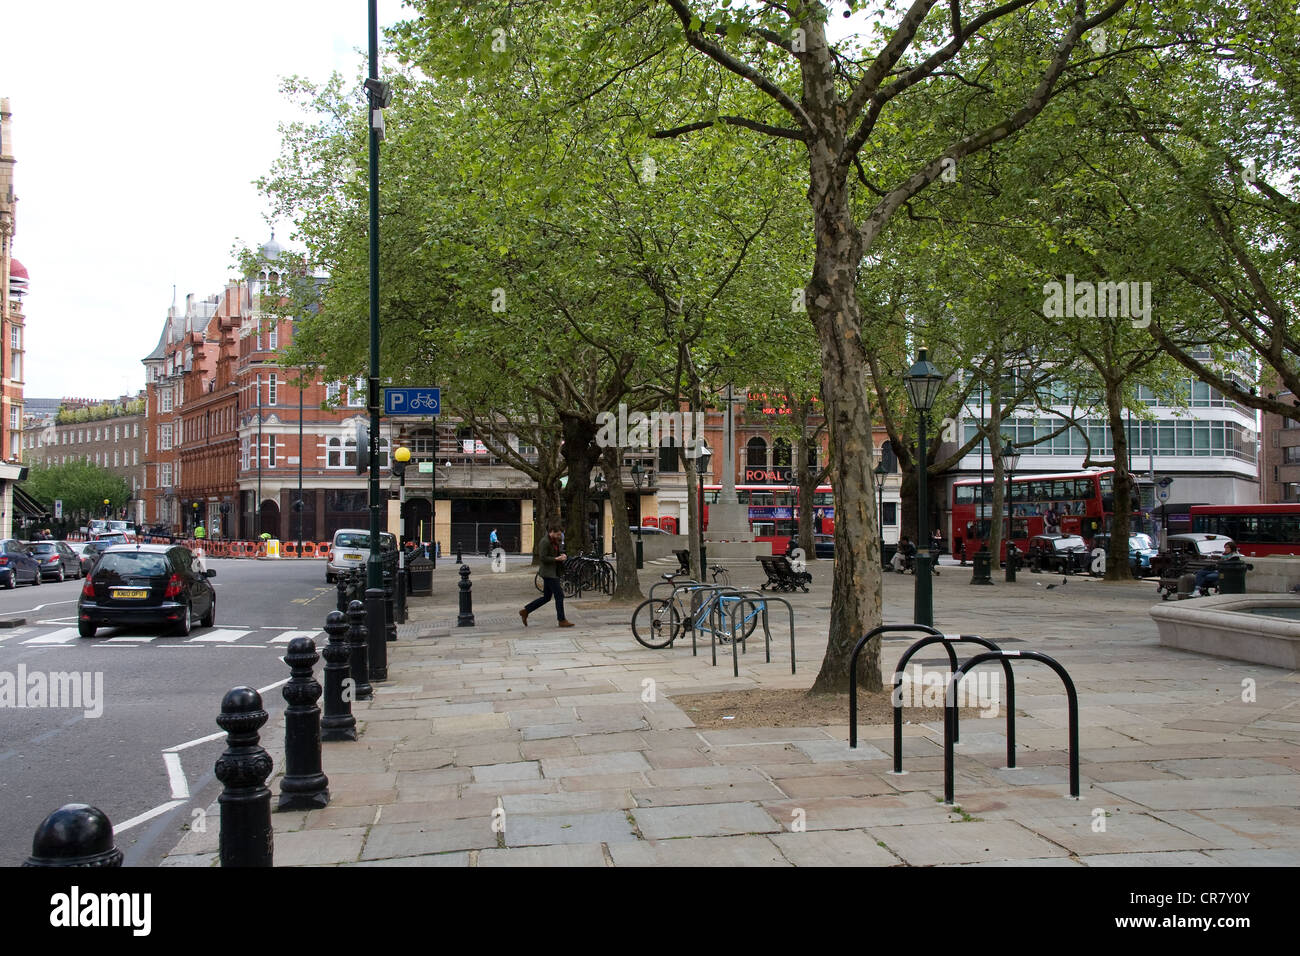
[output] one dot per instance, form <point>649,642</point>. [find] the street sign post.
<point>412,401</point>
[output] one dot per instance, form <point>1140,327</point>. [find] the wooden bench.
<point>781,576</point>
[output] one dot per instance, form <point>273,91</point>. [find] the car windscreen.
<point>124,564</point>
<point>357,540</point>
<point>1140,541</point>
<point>43,547</point>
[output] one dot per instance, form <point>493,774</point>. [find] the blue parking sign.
<point>412,401</point>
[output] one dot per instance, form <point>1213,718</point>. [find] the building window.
<point>165,475</point>
<point>332,391</point>
<point>350,453</point>
<point>272,337</point>
<point>891,513</point>
<point>756,453</point>
<point>243,453</point>
<point>334,453</point>
<point>271,390</point>
<point>15,416</point>
<point>165,399</point>
<point>164,437</point>
<point>270,451</point>
<point>357,394</point>
<point>16,366</point>
<point>115,461</point>
<point>135,456</point>
<point>15,337</point>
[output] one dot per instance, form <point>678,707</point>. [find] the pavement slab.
<point>499,746</point>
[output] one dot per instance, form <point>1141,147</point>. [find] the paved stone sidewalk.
<point>504,745</point>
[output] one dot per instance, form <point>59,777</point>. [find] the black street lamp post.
<point>923,381</point>
<point>702,462</point>
<point>880,472</point>
<point>636,483</point>
<point>1010,458</point>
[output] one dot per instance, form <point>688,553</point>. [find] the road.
<point>159,693</point>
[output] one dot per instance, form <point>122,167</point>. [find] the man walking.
<point>548,556</point>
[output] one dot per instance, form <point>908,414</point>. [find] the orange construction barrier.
<point>261,549</point>
<point>288,549</point>
<point>324,549</point>
<point>308,549</point>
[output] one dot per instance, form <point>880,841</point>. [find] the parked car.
<point>91,551</point>
<point>350,549</point>
<point>17,565</point>
<point>1197,547</point>
<point>1141,549</point>
<point>56,559</point>
<point>1058,553</point>
<point>157,584</point>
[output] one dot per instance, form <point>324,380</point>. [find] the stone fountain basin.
<point>1230,625</point>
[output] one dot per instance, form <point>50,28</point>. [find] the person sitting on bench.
<point>905,557</point>
<point>1207,578</point>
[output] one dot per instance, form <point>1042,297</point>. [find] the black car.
<point>17,564</point>
<point>1061,553</point>
<point>91,551</point>
<point>56,559</point>
<point>146,584</point>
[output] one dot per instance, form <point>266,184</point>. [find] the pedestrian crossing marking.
<point>288,636</point>
<point>142,639</point>
<point>218,636</point>
<point>62,636</point>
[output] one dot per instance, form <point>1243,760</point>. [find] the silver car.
<point>350,549</point>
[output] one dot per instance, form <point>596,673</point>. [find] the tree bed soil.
<point>781,707</point>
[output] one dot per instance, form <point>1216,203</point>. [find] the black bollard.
<point>246,835</point>
<point>357,644</point>
<point>466,616</point>
<point>342,583</point>
<point>983,567</point>
<point>458,557</point>
<point>399,600</point>
<point>376,634</point>
<point>390,609</point>
<point>305,786</point>
<point>340,684</point>
<point>76,834</point>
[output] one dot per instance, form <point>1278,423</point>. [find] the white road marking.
<point>131,640</point>
<point>218,636</point>
<point>147,816</point>
<point>62,636</point>
<point>279,683</point>
<point>288,636</point>
<point>176,776</point>
<point>194,743</point>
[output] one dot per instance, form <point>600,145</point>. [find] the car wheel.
<point>183,626</point>
<point>61,576</point>
<point>211,617</point>
<point>36,581</point>
<point>12,581</point>
<point>85,629</point>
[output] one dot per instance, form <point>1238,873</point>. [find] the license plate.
<point>352,557</point>
<point>124,594</point>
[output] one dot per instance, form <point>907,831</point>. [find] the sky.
<point>138,130</point>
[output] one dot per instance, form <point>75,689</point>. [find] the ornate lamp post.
<point>923,382</point>
<point>637,478</point>
<point>1010,458</point>
<point>880,472</point>
<point>702,462</point>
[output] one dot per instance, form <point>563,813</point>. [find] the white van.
<point>350,549</point>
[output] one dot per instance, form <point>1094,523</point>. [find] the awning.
<point>26,506</point>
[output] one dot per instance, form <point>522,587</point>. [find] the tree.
<point>82,487</point>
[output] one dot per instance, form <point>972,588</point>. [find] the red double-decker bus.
<point>1257,529</point>
<point>1081,503</point>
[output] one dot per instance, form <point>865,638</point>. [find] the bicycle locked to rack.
<point>728,614</point>
<point>584,572</point>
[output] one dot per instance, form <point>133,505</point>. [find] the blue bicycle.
<point>658,622</point>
